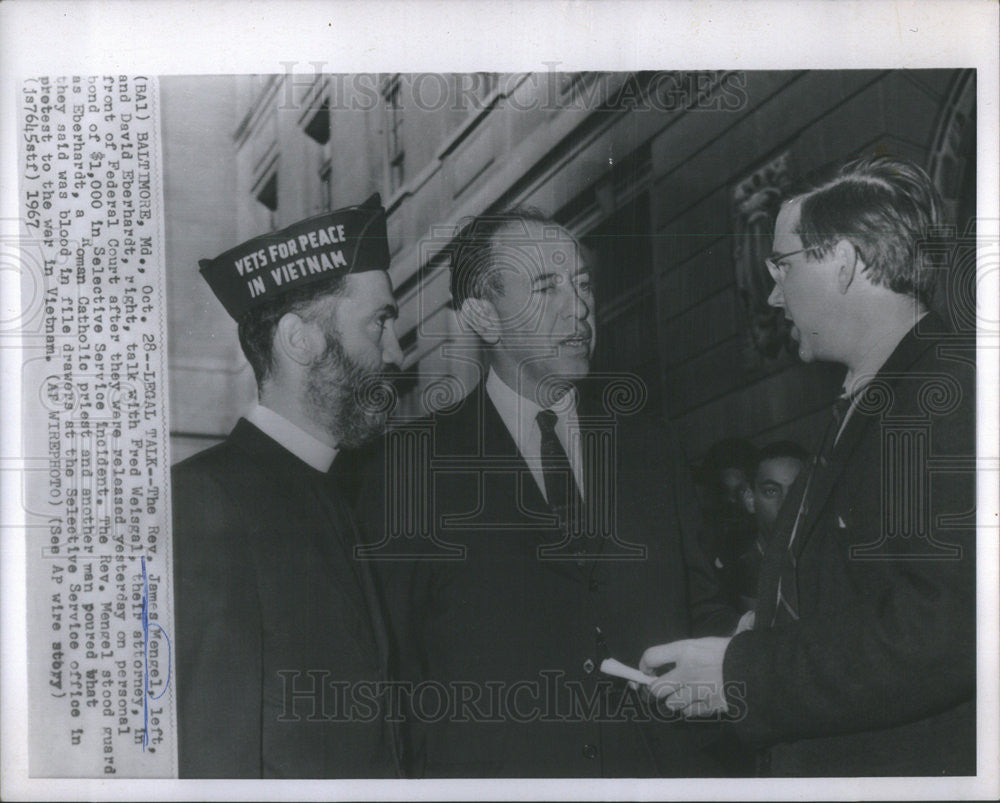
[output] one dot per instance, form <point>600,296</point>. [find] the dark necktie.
<point>560,487</point>
<point>787,608</point>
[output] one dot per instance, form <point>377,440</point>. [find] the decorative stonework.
<point>755,205</point>
<point>954,144</point>
<point>951,164</point>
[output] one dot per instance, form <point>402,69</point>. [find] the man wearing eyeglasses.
<point>861,658</point>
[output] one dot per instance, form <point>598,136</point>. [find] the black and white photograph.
<point>507,427</point>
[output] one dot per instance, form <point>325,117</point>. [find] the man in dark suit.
<point>281,645</point>
<point>861,660</point>
<point>562,528</point>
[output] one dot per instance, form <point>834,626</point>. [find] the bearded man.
<point>278,626</point>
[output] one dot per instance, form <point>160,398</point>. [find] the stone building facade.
<point>670,179</point>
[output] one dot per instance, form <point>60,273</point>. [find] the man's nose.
<point>392,352</point>
<point>579,303</point>
<point>777,297</point>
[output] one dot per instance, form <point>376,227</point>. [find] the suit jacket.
<point>877,676</point>
<point>276,624</point>
<point>482,616</point>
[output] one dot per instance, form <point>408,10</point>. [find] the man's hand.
<point>694,686</point>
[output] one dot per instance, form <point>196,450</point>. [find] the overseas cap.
<point>317,249</point>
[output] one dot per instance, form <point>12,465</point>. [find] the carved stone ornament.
<point>755,206</point>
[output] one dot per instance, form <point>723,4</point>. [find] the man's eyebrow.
<point>551,276</point>
<point>390,311</point>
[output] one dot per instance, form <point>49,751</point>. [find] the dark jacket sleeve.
<point>893,639</point>
<point>886,657</point>
<point>217,632</point>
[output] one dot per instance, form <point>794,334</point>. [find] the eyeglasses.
<point>774,261</point>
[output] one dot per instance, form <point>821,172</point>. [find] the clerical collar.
<point>300,443</point>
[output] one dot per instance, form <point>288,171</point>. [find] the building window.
<point>318,126</point>
<point>318,130</point>
<point>268,197</point>
<point>394,132</point>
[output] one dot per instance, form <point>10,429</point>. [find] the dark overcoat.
<point>878,674</point>
<point>493,607</point>
<point>281,649</point>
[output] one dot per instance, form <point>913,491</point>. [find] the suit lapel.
<point>868,412</point>
<point>356,582</point>
<point>528,500</point>
<point>499,445</point>
<point>362,571</point>
<point>600,474</point>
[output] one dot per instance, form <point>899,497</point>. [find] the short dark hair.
<point>471,253</point>
<point>884,205</point>
<point>780,449</point>
<point>256,327</point>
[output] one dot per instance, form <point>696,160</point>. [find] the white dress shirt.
<point>300,443</point>
<point>519,416</point>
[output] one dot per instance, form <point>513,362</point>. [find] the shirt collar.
<point>853,386</point>
<point>300,443</point>
<point>520,413</point>
<point>874,361</point>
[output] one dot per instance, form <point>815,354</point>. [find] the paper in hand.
<point>609,666</point>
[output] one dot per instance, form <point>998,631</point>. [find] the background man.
<point>724,478</point>
<point>577,522</point>
<point>862,658</point>
<point>271,607</point>
<point>777,467</point>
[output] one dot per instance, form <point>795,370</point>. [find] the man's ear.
<point>482,317</point>
<point>747,496</point>
<point>298,340</point>
<point>849,264</point>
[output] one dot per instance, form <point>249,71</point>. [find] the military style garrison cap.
<point>318,249</point>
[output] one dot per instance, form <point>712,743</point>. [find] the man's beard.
<point>348,400</point>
